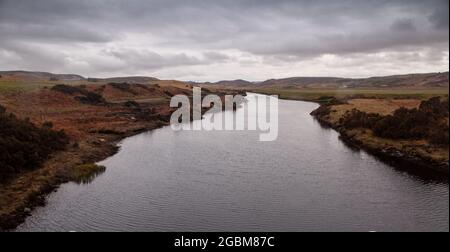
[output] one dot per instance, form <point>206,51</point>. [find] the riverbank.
<point>167,181</point>
<point>95,117</point>
<point>29,190</point>
<point>325,95</point>
<point>417,154</point>
<point>352,119</point>
<point>95,136</point>
<point>21,194</point>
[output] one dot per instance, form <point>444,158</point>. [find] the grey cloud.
<point>290,30</point>
<point>440,18</point>
<point>216,56</point>
<point>151,60</point>
<point>29,57</point>
<point>54,33</point>
<point>404,25</point>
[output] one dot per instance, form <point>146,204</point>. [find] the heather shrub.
<point>429,121</point>
<point>24,146</point>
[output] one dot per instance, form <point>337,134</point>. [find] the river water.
<point>307,180</point>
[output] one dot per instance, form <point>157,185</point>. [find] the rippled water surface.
<point>307,180</point>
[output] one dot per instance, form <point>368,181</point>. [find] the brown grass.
<point>378,106</point>
<point>420,147</point>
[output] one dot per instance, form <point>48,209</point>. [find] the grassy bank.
<point>93,116</point>
<point>27,190</point>
<point>325,94</point>
<point>409,132</point>
<point>86,173</point>
<point>424,142</point>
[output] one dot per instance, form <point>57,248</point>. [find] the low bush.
<point>91,99</point>
<point>84,174</point>
<point>132,104</point>
<point>124,87</point>
<point>429,121</point>
<point>24,146</point>
<point>358,119</point>
<point>322,111</point>
<point>168,93</point>
<point>66,89</point>
<point>81,94</point>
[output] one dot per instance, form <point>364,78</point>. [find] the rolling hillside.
<point>432,80</point>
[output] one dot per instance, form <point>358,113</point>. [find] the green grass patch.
<point>320,94</point>
<point>9,86</point>
<point>86,173</point>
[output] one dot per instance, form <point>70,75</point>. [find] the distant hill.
<point>304,81</point>
<point>429,80</point>
<point>44,76</point>
<point>130,80</point>
<point>230,83</point>
<point>234,83</point>
<point>38,76</point>
<point>410,80</point>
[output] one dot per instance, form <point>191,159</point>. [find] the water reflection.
<point>307,180</point>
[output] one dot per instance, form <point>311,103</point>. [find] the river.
<point>306,180</point>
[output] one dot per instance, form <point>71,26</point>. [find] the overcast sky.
<point>210,40</point>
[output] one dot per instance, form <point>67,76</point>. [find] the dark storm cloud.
<point>404,25</point>
<point>440,18</point>
<point>152,60</point>
<point>196,32</point>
